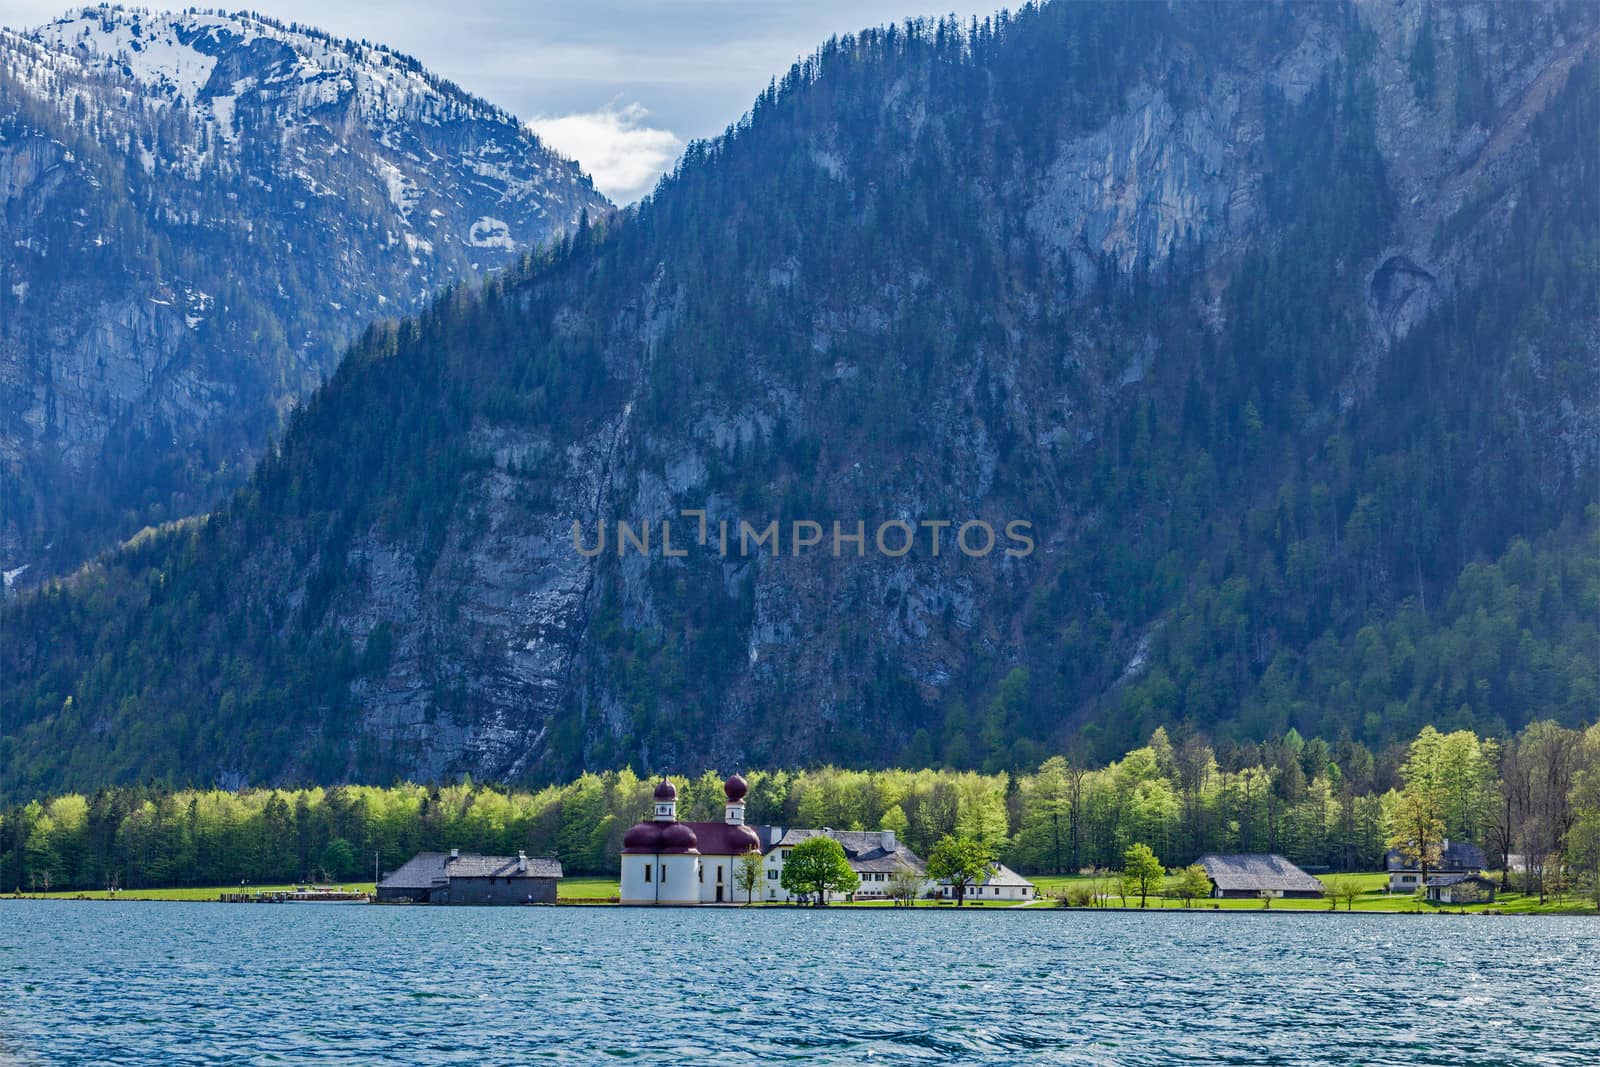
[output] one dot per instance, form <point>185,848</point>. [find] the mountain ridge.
<point>157,162</point>
<point>1303,439</point>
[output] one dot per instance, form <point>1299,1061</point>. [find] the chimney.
<point>522,861</point>
<point>887,837</point>
<point>455,853</point>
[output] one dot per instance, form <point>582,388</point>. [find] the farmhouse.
<point>1003,884</point>
<point>665,861</point>
<point>1455,857</point>
<point>457,877</point>
<point>1460,889</point>
<point>1253,875</point>
<point>874,855</point>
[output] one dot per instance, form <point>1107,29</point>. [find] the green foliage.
<point>1321,805</point>
<point>961,862</point>
<point>747,871</point>
<point>816,867</point>
<point>1343,887</point>
<point>1191,884</point>
<point>1141,872</point>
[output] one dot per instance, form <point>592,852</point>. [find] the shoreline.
<point>1585,911</point>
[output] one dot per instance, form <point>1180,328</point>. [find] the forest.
<point>1338,806</point>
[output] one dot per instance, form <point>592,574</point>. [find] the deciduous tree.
<point>960,862</point>
<point>1141,872</point>
<point>816,867</point>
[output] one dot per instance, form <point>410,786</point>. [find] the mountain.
<point>1276,323</point>
<point>199,213</point>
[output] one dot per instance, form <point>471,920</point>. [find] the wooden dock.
<point>299,895</point>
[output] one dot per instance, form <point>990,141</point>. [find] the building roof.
<point>862,848</point>
<point>1003,875</point>
<point>699,838</point>
<point>429,870</point>
<point>1453,856</point>
<point>722,839</point>
<point>1257,872</point>
<point>1457,879</point>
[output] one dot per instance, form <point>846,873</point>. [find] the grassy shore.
<point>190,893</point>
<point>566,889</point>
<point>1374,898</point>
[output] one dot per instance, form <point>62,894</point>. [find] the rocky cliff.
<point>1271,327</point>
<point>199,212</point>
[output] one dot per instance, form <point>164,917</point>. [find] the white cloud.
<point>621,153</point>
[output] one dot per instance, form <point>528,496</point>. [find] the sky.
<point>619,85</point>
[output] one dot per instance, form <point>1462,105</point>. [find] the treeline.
<point>1339,806</point>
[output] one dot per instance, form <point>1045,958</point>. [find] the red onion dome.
<point>676,837</point>
<point>666,791</point>
<point>748,837</point>
<point>645,837</point>
<point>735,788</point>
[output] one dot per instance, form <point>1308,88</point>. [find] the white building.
<point>873,854</point>
<point>1455,857</point>
<point>665,861</point>
<point>1003,884</point>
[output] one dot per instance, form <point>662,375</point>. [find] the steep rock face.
<point>199,213</point>
<point>1211,303</point>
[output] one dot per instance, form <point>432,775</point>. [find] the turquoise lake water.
<point>93,983</point>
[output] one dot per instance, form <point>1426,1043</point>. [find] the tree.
<point>1417,828</point>
<point>1141,872</point>
<point>1583,840</point>
<point>904,885</point>
<point>816,867</point>
<point>747,875</point>
<point>960,862</point>
<point>1192,883</point>
<point>338,858</point>
<point>1345,887</point>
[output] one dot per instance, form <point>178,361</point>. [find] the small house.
<point>1455,857</point>
<point>1258,874</point>
<point>1461,889</point>
<point>457,877</point>
<point>1002,885</point>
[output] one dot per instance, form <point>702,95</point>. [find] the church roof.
<point>720,839</point>
<point>706,838</point>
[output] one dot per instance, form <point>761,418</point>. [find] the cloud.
<point>616,147</point>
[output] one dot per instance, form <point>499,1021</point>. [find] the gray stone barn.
<point>457,877</point>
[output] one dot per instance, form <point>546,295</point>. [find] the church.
<point>665,861</point>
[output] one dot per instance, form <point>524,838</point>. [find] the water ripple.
<point>89,983</point>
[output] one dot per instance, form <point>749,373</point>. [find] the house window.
<point>772,874</point>
<point>700,872</point>
<point>649,869</point>
<point>719,874</point>
<point>663,872</point>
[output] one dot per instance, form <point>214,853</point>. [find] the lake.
<point>151,983</point>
